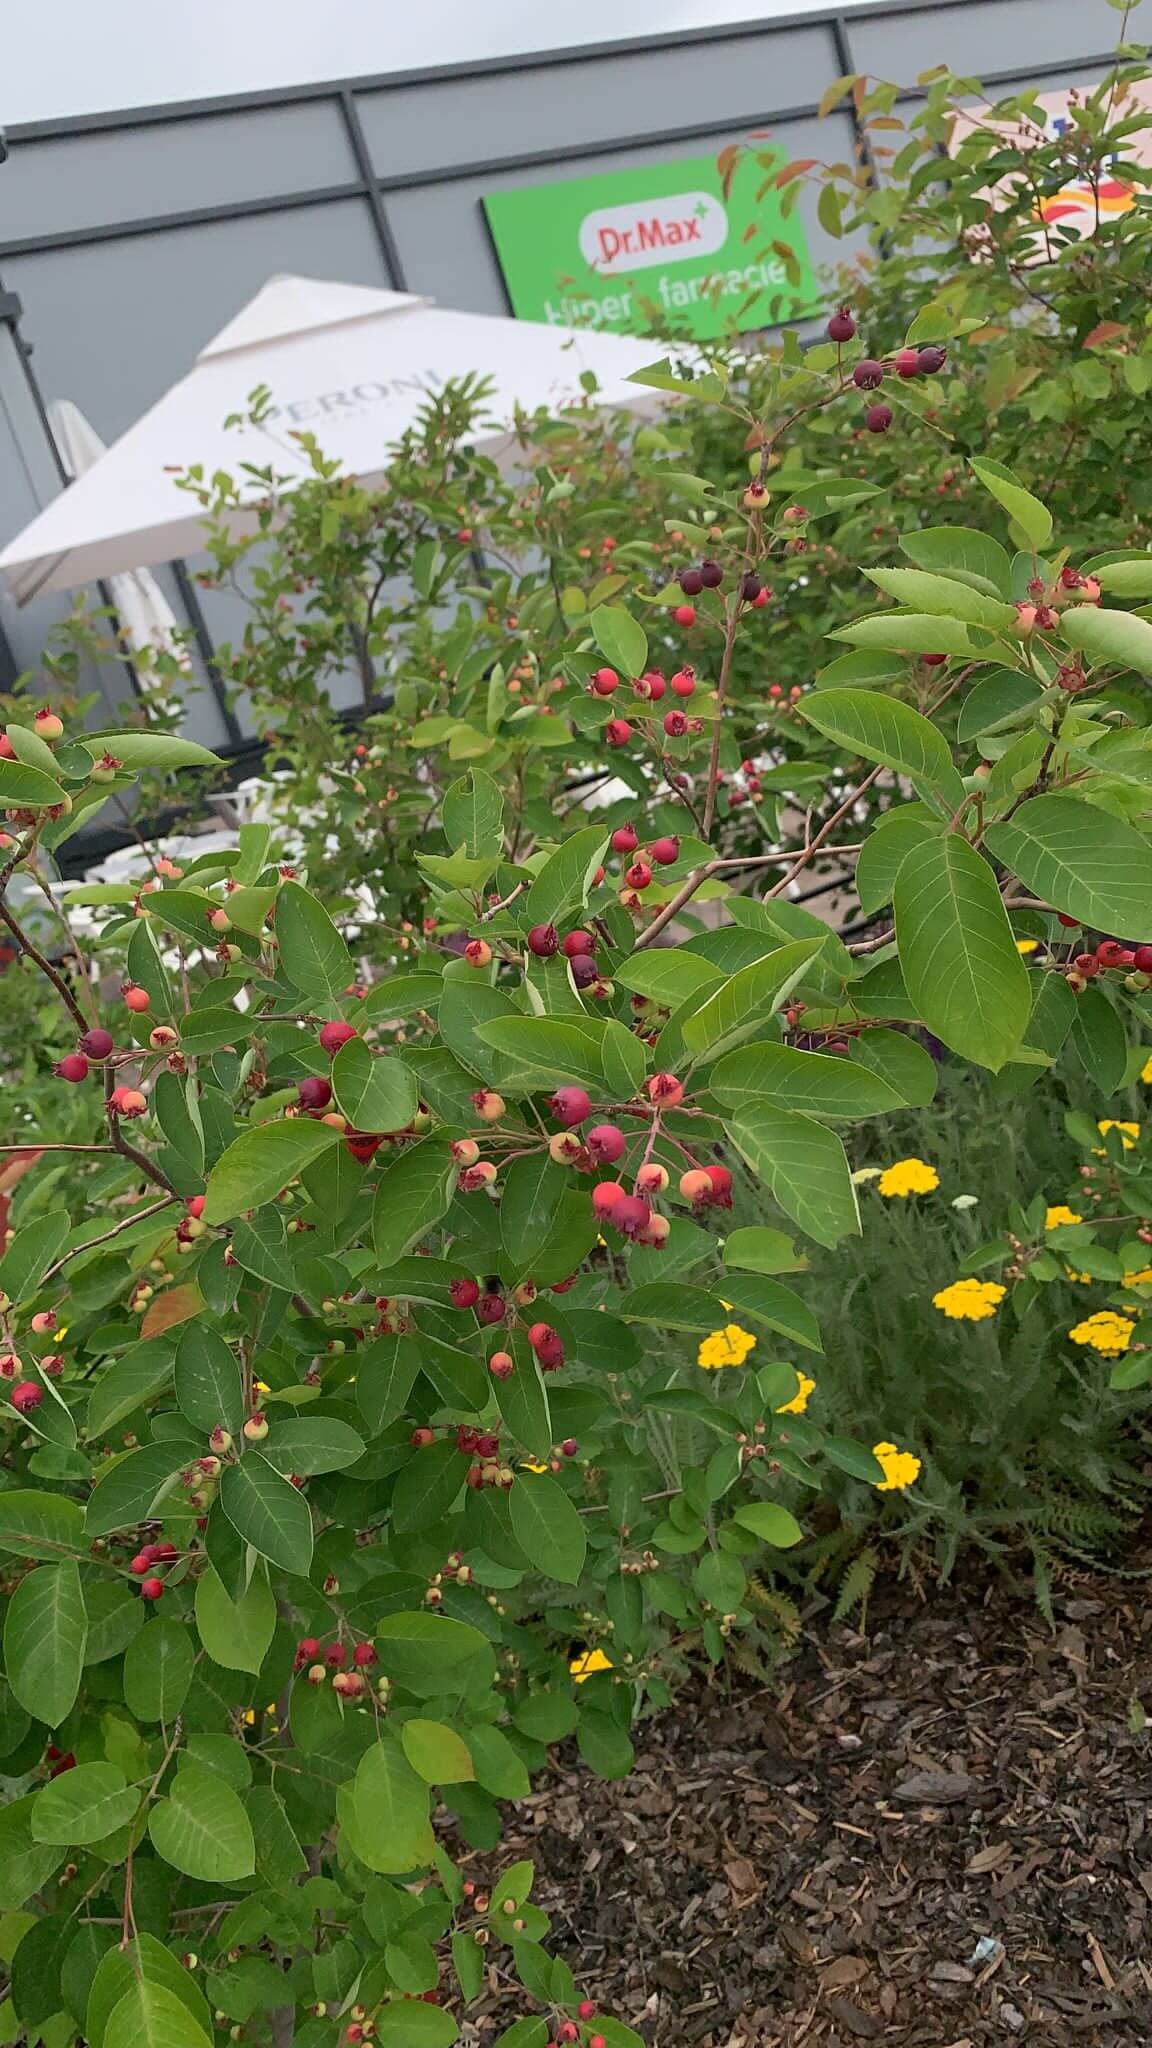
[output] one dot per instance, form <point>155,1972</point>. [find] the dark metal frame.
<point>370,187</point>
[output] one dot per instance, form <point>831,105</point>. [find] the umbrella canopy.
<point>349,364</point>
<point>145,617</point>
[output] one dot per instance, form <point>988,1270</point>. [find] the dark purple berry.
<point>868,374</point>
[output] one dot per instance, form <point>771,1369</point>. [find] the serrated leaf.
<point>944,597</point>
<point>564,879</point>
<point>1109,636</point>
<point>309,1444</point>
<point>746,1001</point>
<point>385,1375</point>
<point>816,1084</point>
<point>28,789</point>
<point>259,1164</point>
<point>33,1248</point>
<point>957,952</point>
<point>427,1487</point>
<point>804,1167</point>
<point>472,815</point>
<point>885,730</point>
<point>268,1513</point>
<point>42,1525</point>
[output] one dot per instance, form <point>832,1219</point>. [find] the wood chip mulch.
<point>932,1835</point>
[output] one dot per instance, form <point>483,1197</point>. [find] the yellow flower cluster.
<point>805,1388</point>
<point>908,1177</point>
<point>729,1346</point>
<point>901,1468</point>
<point>1140,1279</point>
<point>1054,1217</point>
<point>1105,1332</point>
<point>969,1301</point>
<point>587,1662</point>
<point>1128,1132</point>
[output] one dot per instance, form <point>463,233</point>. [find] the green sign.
<point>662,242</point>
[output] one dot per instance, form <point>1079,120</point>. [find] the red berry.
<point>605,1196</point>
<point>1086,964</point>
<point>540,1335</point>
<point>665,851</point>
<point>656,685</point>
<point>760,600</point>
<point>127,1102</point>
<point>464,1293</point>
<point>639,875</point>
<point>908,362</point>
<point>136,998</point>
<point>478,953</point>
<point>422,1437</point>
<point>605,682</point>
<point>491,1308</point>
<point>363,1145</point>
<point>73,1067</point>
<point>841,326</point>
<point>617,732</point>
<point>1110,953</point>
<point>624,839</point>
<point>364,1656</point>
<point>696,1186</point>
<point>721,1181</point>
<point>501,1365</point>
<point>335,1655</point>
<point>868,375</point>
<point>933,660</point>
<point>1142,958</point>
<point>579,942</point>
<point>631,1216</point>
<point>586,2010</point>
<point>878,419</point>
<point>605,1143</point>
<point>334,1035</point>
<point>151,1589</point>
<point>932,359</point>
<point>684,614</point>
<point>313,1092</point>
<point>675,724</point>
<point>97,1044</point>
<point>543,940</point>
<point>570,1447</point>
<point>570,1106</point>
<point>683,683</point>
<point>665,1091</point>
<point>1071,924</point>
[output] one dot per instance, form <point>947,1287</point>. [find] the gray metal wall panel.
<point>418,128</point>
<point>154,300</point>
<point>982,36</point>
<point>440,229</point>
<point>81,181</point>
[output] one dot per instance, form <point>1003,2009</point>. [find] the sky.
<point>71,57</point>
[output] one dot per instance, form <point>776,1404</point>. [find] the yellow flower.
<point>1146,1069</point>
<point>1078,1279</point>
<point>1128,1132</point>
<point>1105,1332</point>
<point>901,1468</point>
<point>1027,945</point>
<point>1054,1217</point>
<point>587,1662</point>
<point>729,1346</point>
<point>804,1390</point>
<point>969,1301</point>
<point>909,1177</point>
<point>1140,1279</point>
<point>531,1465</point>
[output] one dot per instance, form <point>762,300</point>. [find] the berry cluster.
<point>868,374</point>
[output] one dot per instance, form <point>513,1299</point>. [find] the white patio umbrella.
<point>146,619</point>
<point>351,365</point>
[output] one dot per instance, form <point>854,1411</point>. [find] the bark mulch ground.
<point>932,1835</point>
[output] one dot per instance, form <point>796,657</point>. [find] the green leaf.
<point>134,1485</point>
<point>386,1811</point>
<point>944,598</point>
<point>235,1633</point>
<point>673,1307</point>
<point>900,1061</point>
<point>770,1302</point>
<point>854,1458</point>
<point>427,1486</point>
<point>436,1753</point>
<point>744,1002</point>
<point>883,729</point>
<point>268,1513</point>
<point>1033,518</point>
<point>25,1863</point>
<point>756,1249</point>
<point>770,1522</point>
<point>130,1383</point>
<point>548,1527</point>
<point>150,750</point>
<point>84,1805</point>
<point>499,1768</point>
<point>1081,860</point>
<point>150,2016</point>
<point>375,1091</point>
<point>209,1383</point>
<point>532,1189</point>
<point>158,1671</point>
<point>999,699</point>
<point>473,815</point>
<point>412,2024</point>
<point>816,1084</point>
<point>523,1402</point>
<point>1127,579</point>
<point>1109,636</point>
<point>620,640</point>
<point>605,1747</point>
<point>31,1252</point>
<point>385,1375</point>
<point>564,879</point>
<point>201,1828</point>
<point>668,975</point>
<point>313,956</point>
<point>312,1443</point>
<point>957,951</point>
<point>147,1961</point>
<point>44,1525</point>
<point>550,1049</point>
<point>44,1637</point>
<point>1100,1040</point>
<point>906,633</point>
<point>259,1164</point>
<point>413,1193</point>
<point>803,1166</point>
<point>415,1648</point>
<point>27,789</point>
<point>884,851</point>
<point>961,551</point>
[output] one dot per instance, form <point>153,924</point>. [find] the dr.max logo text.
<point>616,239</point>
